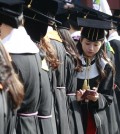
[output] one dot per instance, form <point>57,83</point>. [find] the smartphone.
<point>88,92</point>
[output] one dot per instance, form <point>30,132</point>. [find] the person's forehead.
<point>92,41</point>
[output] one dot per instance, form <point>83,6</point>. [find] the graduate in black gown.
<point>95,81</point>
<point>59,76</point>
<point>114,40</point>
<point>22,51</point>
<point>59,85</point>
<point>72,66</point>
<point>37,32</point>
<point>11,93</point>
<point>49,64</point>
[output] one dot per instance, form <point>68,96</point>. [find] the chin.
<point>90,55</point>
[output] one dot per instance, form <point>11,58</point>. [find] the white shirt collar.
<point>49,29</point>
<point>76,33</point>
<point>114,36</point>
<point>18,41</point>
<point>93,69</point>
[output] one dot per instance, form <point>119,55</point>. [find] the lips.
<point>90,52</point>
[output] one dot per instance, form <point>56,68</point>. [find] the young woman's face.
<point>90,48</point>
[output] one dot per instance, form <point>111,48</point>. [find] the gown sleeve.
<point>105,90</point>
<point>116,47</point>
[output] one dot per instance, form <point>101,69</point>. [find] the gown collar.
<point>76,35</point>
<point>93,72</point>
<point>114,36</point>
<point>18,41</point>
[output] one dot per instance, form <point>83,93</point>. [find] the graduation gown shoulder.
<point>27,69</point>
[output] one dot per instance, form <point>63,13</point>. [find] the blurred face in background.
<point>4,30</point>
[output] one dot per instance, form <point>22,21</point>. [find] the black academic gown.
<point>116,47</point>
<point>27,68</point>
<point>113,116</point>
<point>22,51</point>
<point>7,114</point>
<point>98,109</point>
<point>52,79</point>
<point>3,112</point>
<point>115,106</point>
<point>45,108</point>
<point>59,90</point>
<point>73,109</point>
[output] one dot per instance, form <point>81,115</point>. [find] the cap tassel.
<point>86,81</point>
<point>29,5</point>
<point>85,85</point>
<point>68,16</point>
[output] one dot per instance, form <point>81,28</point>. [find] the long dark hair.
<point>101,54</point>
<point>9,80</point>
<point>51,55</point>
<point>70,47</point>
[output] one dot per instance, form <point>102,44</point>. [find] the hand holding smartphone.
<point>88,92</point>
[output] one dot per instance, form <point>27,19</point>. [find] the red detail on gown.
<point>91,127</point>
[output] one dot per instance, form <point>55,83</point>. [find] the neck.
<point>111,31</point>
<point>87,57</point>
<point>5,30</point>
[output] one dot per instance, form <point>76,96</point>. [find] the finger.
<point>95,88</point>
<point>92,98</point>
<point>78,96</point>
<point>79,92</point>
<point>82,91</point>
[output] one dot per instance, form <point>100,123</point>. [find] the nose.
<point>91,47</point>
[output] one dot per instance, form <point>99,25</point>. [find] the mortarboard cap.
<point>93,34</point>
<point>68,18</point>
<point>63,13</point>
<point>99,19</point>
<point>42,7</point>
<point>63,18</point>
<point>10,12</point>
<point>95,22</point>
<point>94,19</point>
<point>117,14</point>
<point>94,26</point>
<point>73,18</point>
<point>52,7</point>
<point>36,18</point>
<point>82,9</point>
<point>11,2</point>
